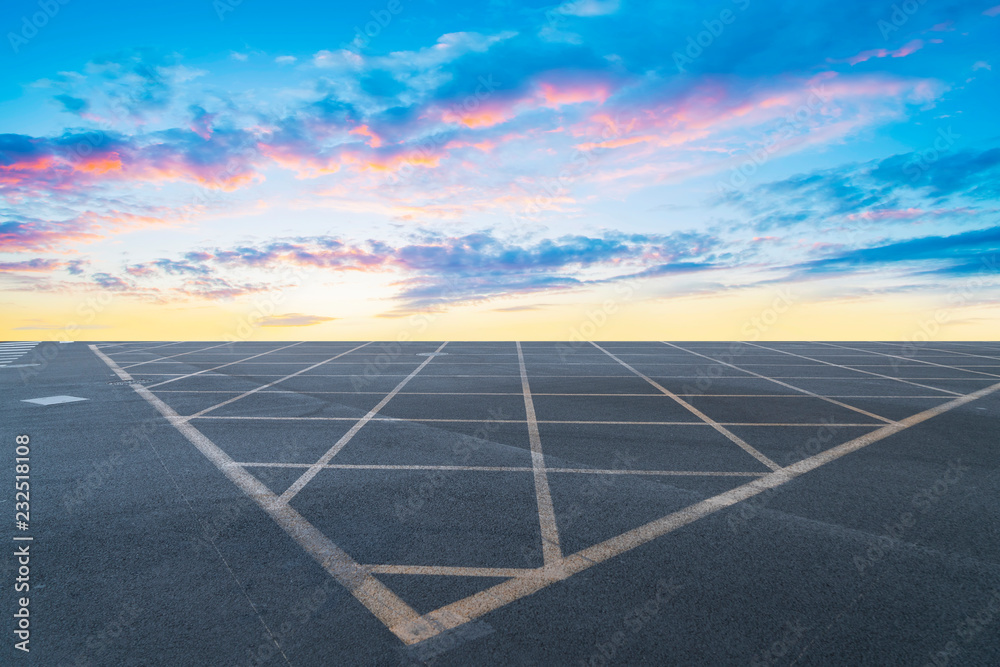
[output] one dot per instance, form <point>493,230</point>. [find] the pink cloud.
<point>553,96</point>
<point>901,52</point>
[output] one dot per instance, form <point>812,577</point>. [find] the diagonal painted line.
<point>482,603</point>
<point>580,471</point>
<point>551,550</point>
<point>951,352</point>
<point>215,368</point>
<point>399,617</point>
<point>934,349</point>
<point>858,370</point>
<point>789,386</point>
<point>269,384</point>
<point>346,438</point>
<point>698,413</point>
<point>179,354</point>
<point>918,361</point>
<point>452,571</point>
<point>143,349</point>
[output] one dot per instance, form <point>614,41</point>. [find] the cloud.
<point>958,254</point>
<point>294,320</point>
<point>903,51</point>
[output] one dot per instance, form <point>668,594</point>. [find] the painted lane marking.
<point>269,384</point>
<point>54,400</point>
<point>551,550</point>
<point>215,368</point>
<point>399,617</point>
<point>858,370</point>
<point>698,413</point>
<point>346,438</point>
<point>788,386</point>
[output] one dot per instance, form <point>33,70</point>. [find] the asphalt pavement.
<point>317,503</point>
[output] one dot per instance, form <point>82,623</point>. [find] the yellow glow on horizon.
<point>753,314</point>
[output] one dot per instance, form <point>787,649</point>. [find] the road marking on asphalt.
<point>269,384</point>
<point>921,361</point>
<point>952,354</point>
<point>517,393</point>
<point>581,471</point>
<point>540,421</point>
<point>215,368</point>
<point>344,439</point>
<point>698,413</point>
<point>409,626</point>
<point>154,347</point>
<point>391,610</point>
<point>54,400</point>
<point>551,550</point>
<point>482,603</point>
<point>179,354</point>
<point>789,386</point>
<point>857,370</point>
<point>14,350</point>
<point>455,571</point>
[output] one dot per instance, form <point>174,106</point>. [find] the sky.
<point>411,169</point>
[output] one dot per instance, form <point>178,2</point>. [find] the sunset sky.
<point>601,169</point>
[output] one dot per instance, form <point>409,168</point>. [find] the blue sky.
<point>499,166</point>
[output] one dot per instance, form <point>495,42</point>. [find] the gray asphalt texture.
<point>144,553</point>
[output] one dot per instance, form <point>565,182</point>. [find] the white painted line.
<point>179,354</point>
<point>269,384</point>
<point>154,347</point>
<point>344,439</point>
<point>215,368</point>
<point>921,361</point>
<point>580,471</point>
<point>54,400</point>
<point>789,386</point>
<point>955,352</point>
<point>856,370</point>
<point>551,550</point>
<point>398,616</point>
<point>448,571</point>
<point>484,602</point>
<point>18,365</point>
<point>540,421</point>
<point>698,413</point>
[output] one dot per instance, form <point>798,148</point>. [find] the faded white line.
<point>179,354</point>
<point>346,438</point>
<point>789,386</point>
<point>215,368</point>
<point>482,603</point>
<point>398,616</point>
<point>271,384</point>
<point>551,550</point>
<point>921,361</point>
<point>698,413</point>
<point>858,370</point>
